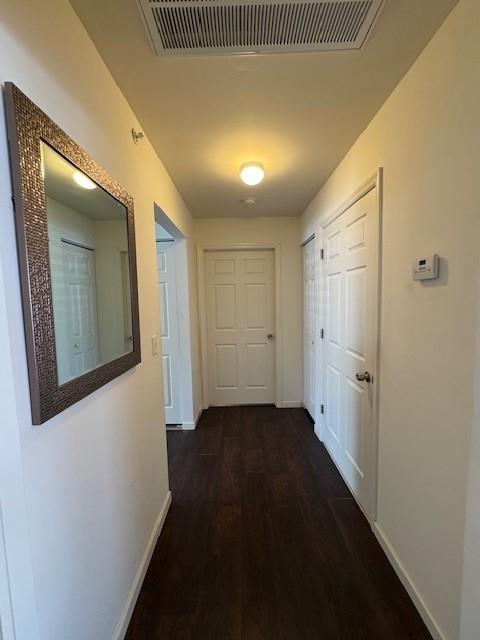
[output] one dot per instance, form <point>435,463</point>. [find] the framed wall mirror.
<point>76,245</point>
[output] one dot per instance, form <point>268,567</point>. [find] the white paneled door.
<point>81,311</point>
<point>167,293</point>
<point>309,327</point>
<point>349,306</point>
<point>240,327</point>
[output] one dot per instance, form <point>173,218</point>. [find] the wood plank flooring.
<point>264,542</point>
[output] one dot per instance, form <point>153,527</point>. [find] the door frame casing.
<point>312,238</point>
<point>374,182</point>
<point>202,309</point>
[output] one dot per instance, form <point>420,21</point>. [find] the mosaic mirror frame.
<point>27,127</point>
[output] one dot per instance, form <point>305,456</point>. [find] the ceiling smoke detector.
<point>192,27</point>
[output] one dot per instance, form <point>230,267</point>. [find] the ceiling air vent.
<point>192,27</point>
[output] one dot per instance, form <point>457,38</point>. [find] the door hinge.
<point>322,333</point>
<point>321,254</point>
<point>322,409</point>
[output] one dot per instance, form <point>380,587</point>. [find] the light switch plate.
<point>154,346</point>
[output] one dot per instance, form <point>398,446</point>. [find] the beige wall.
<point>470,619</point>
<point>427,138</point>
<point>97,473</point>
<point>220,232</point>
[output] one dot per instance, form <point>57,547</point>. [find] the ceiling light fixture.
<point>252,173</point>
<point>248,202</point>
<point>82,180</point>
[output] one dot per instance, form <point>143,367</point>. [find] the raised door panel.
<point>226,366</point>
<point>257,366</point>
<point>356,234</point>
<point>354,425</point>
<point>333,408</point>
<point>161,263</point>
<point>225,306</point>
<point>164,323</point>
<point>256,311</point>
<point>254,265</point>
<point>224,267</point>
<point>311,379</point>
<point>355,321</point>
<point>167,381</point>
<point>334,324</point>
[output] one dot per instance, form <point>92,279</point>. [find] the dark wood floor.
<point>264,541</point>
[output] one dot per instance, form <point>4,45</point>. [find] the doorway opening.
<point>175,333</point>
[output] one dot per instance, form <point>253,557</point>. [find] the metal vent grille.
<point>257,26</point>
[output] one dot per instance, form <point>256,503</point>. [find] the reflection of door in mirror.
<point>90,270</point>
<point>81,308</point>
<point>127,301</point>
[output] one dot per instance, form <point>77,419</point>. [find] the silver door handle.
<point>270,336</point>
<point>363,377</point>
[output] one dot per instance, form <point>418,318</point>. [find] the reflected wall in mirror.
<point>76,246</point>
<point>88,247</point>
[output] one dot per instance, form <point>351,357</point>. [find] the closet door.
<point>240,327</point>
<point>350,283</point>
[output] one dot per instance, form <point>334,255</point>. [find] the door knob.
<point>270,336</point>
<point>364,377</point>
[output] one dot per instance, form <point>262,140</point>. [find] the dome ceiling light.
<point>83,181</point>
<point>252,173</point>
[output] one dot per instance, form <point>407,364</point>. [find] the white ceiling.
<point>298,114</point>
<point>96,203</point>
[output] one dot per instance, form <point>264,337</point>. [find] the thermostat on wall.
<point>426,268</point>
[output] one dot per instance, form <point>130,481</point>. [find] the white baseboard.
<point>407,582</point>
<point>289,404</point>
<point>398,567</point>
<point>122,626</point>
<point>190,426</point>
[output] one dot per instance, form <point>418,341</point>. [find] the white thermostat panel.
<point>426,268</point>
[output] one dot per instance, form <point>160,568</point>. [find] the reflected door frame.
<point>276,248</point>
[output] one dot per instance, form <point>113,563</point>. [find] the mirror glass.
<point>90,274</point>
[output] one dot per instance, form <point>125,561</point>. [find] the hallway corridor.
<point>264,541</point>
